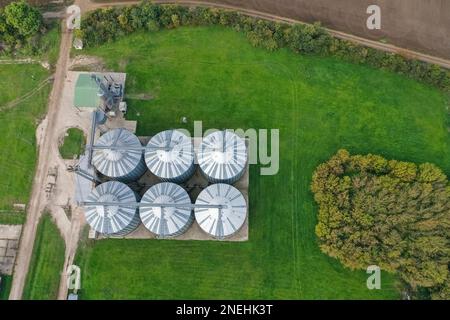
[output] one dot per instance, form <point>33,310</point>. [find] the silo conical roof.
<point>166,221</point>
<point>227,220</point>
<point>121,164</point>
<point>112,220</point>
<point>222,157</point>
<point>170,156</point>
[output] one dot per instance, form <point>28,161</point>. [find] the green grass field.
<point>17,134</point>
<point>46,264</point>
<point>50,44</point>
<point>73,144</point>
<point>5,287</point>
<point>319,105</point>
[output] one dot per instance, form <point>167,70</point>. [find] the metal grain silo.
<point>170,156</point>
<point>166,221</point>
<point>124,161</point>
<point>222,157</point>
<point>112,220</point>
<point>228,217</point>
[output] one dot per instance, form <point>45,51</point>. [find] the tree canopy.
<point>19,21</point>
<point>25,19</point>
<point>389,213</point>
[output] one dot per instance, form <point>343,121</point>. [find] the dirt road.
<point>49,131</point>
<point>38,200</point>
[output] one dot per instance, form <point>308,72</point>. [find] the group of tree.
<point>389,213</point>
<point>20,23</point>
<point>104,25</point>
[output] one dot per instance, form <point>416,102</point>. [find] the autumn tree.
<point>392,214</point>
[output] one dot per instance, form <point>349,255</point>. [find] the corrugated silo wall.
<point>422,25</point>
<point>230,180</point>
<point>134,223</point>
<point>136,173</point>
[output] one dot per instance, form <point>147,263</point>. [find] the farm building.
<point>119,155</point>
<point>112,220</point>
<point>86,92</point>
<point>166,221</point>
<point>99,90</point>
<point>228,218</point>
<point>170,156</point>
<point>222,157</point>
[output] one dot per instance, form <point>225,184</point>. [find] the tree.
<point>7,33</point>
<point>389,213</point>
<point>25,19</point>
<point>3,24</point>
<point>103,25</point>
<point>308,38</point>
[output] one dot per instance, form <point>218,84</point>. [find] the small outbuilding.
<point>86,92</point>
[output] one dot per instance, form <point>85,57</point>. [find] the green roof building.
<point>86,92</point>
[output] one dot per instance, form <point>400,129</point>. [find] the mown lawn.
<point>319,104</point>
<point>18,132</point>
<point>73,144</point>
<point>46,264</point>
<point>5,287</point>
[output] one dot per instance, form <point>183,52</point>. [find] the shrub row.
<point>105,25</point>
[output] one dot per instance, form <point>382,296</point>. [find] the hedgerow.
<point>106,25</point>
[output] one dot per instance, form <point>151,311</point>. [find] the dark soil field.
<point>413,24</point>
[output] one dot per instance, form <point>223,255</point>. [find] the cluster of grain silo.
<point>168,219</point>
<point>166,209</point>
<point>170,156</point>
<point>222,157</point>
<point>106,216</point>
<point>229,215</point>
<point>118,154</point>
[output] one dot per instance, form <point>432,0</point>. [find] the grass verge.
<point>47,262</point>
<point>73,144</point>
<point>5,287</point>
<point>19,119</point>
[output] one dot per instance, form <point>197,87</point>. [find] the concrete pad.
<point>10,231</point>
<point>11,253</point>
<point>120,122</point>
<point>9,244</point>
<point>13,244</point>
<point>7,266</point>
